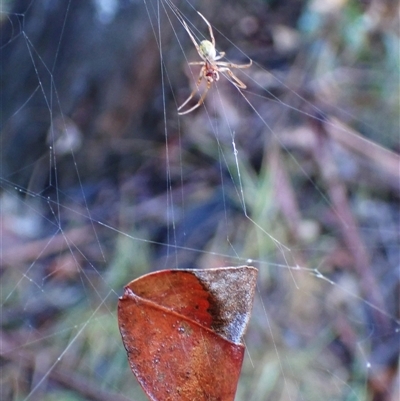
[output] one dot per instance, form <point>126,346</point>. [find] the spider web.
<point>102,181</point>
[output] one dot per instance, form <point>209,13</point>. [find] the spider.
<point>211,67</point>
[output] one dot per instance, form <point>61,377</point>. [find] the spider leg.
<point>199,103</point>
<point>232,65</point>
<point>191,37</point>
<point>235,80</point>
<point>209,28</point>
<point>220,55</point>
<point>196,89</point>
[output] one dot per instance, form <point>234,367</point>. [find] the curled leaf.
<point>183,330</point>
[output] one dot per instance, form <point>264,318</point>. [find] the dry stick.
<point>17,353</point>
<point>386,160</point>
<point>337,194</point>
<point>286,199</point>
<point>44,247</point>
<point>283,191</point>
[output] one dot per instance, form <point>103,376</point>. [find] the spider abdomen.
<point>207,50</point>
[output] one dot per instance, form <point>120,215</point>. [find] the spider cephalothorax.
<point>210,67</point>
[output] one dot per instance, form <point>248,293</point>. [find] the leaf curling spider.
<point>211,67</point>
